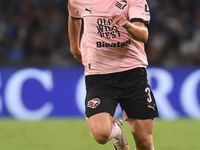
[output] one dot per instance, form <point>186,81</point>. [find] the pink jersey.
<point>104,49</point>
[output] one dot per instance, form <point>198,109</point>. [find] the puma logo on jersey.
<point>152,107</point>
<point>89,10</point>
<point>121,4</point>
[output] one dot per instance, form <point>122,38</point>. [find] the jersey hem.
<point>113,71</point>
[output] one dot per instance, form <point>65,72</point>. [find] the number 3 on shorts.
<point>149,94</point>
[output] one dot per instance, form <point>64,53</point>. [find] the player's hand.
<point>77,54</point>
<point>119,20</point>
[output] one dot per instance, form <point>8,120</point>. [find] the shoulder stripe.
<point>140,20</point>
<point>75,18</point>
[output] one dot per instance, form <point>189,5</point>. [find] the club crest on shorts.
<point>93,103</point>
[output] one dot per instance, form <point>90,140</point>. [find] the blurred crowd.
<point>35,32</point>
<point>174,33</point>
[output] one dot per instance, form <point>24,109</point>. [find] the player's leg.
<point>142,131</point>
<point>103,128</point>
<point>99,113</point>
<point>139,108</point>
<point>100,126</point>
<point>119,140</point>
<point>100,106</point>
<point>99,109</point>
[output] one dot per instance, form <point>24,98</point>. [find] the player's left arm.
<point>137,30</point>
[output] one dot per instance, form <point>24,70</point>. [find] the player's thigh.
<point>100,97</point>
<point>100,123</point>
<point>142,130</point>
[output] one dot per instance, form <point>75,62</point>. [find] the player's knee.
<point>144,143</point>
<point>101,136</point>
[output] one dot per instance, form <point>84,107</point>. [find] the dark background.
<point>35,33</point>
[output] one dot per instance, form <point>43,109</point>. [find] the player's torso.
<point>105,49</point>
<point>97,17</point>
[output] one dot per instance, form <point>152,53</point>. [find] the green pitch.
<point>73,134</point>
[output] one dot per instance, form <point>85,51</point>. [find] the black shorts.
<point>128,88</point>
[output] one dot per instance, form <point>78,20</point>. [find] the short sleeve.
<point>139,11</point>
<point>73,11</point>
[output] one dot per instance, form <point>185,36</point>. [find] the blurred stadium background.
<point>42,85</point>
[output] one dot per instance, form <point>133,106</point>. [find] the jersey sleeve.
<point>73,11</point>
<point>139,11</point>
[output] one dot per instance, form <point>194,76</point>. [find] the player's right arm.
<point>74,29</point>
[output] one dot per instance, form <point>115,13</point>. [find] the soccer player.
<point>112,51</point>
